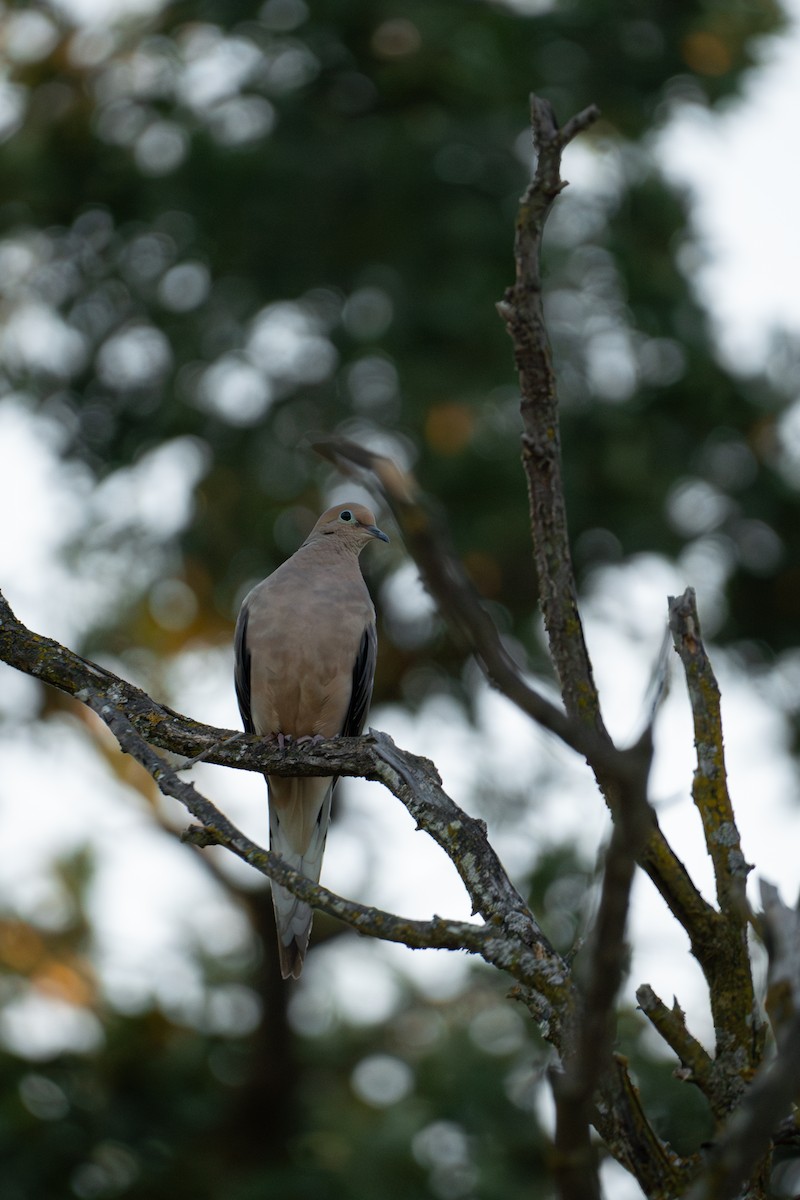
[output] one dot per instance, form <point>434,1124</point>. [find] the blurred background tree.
<point>224,228</point>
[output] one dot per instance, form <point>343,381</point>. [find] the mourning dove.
<point>305,649</point>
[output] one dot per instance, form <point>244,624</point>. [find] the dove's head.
<point>353,525</point>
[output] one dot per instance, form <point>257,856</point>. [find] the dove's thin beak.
<point>375,532</point>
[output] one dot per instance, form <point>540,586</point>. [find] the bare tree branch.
<point>622,1123</point>
<point>696,1063</point>
<point>574,1090</point>
<point>137,720</point>
<point>724,957</point>
<point>710,790</point>
<point>522,310</point>
<point>493,941</point>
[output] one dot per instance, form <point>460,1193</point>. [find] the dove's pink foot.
<point>315,739</point>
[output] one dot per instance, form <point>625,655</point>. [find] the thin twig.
<point>725,957</point>
<point>522,310</point>
<point>710,789</point>
<point>622,1123</point>
<point>658,687</point>
<point>696,1063</point>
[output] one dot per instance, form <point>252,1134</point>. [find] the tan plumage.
<point>305,660</point>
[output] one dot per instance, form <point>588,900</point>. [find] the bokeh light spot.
<point>448,427</point>
<point>185,286</point>
<point>161,148</point>
<point>382,1080</point>
<point>396,38</point>
<point>137,356</point>
<point>706,53</point>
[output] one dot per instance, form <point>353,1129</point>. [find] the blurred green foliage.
<point>229,226</point>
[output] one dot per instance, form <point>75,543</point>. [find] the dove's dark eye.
<point>346,515</point>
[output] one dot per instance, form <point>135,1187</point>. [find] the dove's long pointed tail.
<point>292,916</point>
